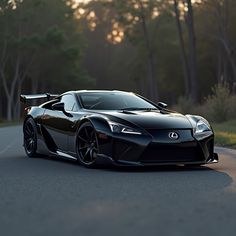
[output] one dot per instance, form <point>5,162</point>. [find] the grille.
<point>162,136</point>
<point>171,153</point>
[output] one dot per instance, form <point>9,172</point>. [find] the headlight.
<point>119,128</point>
<point>202,128</point>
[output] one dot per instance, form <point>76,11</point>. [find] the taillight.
<point>27,109</point>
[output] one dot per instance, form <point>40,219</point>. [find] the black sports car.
<point>95,127</point>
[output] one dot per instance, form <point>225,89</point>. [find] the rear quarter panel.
<point>36,113</point>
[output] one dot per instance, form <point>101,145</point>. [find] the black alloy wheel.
<point>87,145</point>
<point>30,138</point>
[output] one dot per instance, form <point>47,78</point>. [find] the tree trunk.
<point>9,109</point>
<point>230,56</point>
<point>153,88</point>
<point>219,63</point>
<point>221,11</point>
<point>192,53</point>
<point>7,93</point>
<point>183,55</point>
<point>10,92</point>
<point>17,107</point>
<point>224,25</point>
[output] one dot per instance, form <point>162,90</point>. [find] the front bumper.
<point>106,160</point>
<point>157,149</point>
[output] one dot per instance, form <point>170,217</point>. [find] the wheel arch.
<point>98,122</point>
<point>37,125</point>
<point>28,117</point>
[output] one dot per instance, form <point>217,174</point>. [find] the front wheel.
<point>87,145</point>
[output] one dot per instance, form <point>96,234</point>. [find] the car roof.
<point>95,91</point>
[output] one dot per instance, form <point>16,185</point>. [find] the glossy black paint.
<point>57,132</point>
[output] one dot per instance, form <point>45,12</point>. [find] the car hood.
<point>151,119</point>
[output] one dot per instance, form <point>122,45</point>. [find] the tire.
<point>30,138</point>
<point>87,145</point>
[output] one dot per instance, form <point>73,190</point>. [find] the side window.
<point>48,105</point>
<point>69,102</point>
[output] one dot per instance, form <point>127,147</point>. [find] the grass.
<point>225,133</point>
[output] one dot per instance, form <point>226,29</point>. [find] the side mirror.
<point>59,106</point>
<point>162,105</point>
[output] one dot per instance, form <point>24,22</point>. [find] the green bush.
<point>218,106</point>
<point>184,105</point>
<point>232,107</point>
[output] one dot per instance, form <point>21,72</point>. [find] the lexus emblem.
<point>173,135</point>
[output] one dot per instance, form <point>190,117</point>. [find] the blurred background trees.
<point>179,51</point>
<point>41,47</point>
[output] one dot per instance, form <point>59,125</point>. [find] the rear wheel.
<point>30,138</point>
<point>87,145</point>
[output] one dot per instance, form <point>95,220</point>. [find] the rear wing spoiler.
<point>48,96</point>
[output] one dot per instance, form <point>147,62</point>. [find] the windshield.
<point>113,101</point>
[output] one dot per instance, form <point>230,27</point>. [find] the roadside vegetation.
<point>220,109</point>
<point>225,133</point>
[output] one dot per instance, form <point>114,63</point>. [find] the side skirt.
<point>65,155</point>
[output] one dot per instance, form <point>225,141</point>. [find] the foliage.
<point>184,105</point>
<point>225,133</point>
<point>217,107</point>
<point>133,45</point>
<point>119,23</point>
<point>130,21</point>
<point>41,49</point>
<point>218,104</point>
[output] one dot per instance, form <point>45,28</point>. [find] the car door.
<point>59,123</point>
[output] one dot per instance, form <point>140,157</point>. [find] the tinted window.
<point>69,102</point>
<point>48,105</point>
<point>113,101</point>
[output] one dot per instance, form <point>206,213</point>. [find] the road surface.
<point>46,196</point>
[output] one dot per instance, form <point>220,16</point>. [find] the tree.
<point>189,62</point>
<point>183,54</point>
<point>222,13</point>
<point>40,48</point>
<point>134,17</point>
<point>192,52</point>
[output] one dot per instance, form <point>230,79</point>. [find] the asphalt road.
<point>46,196</point>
